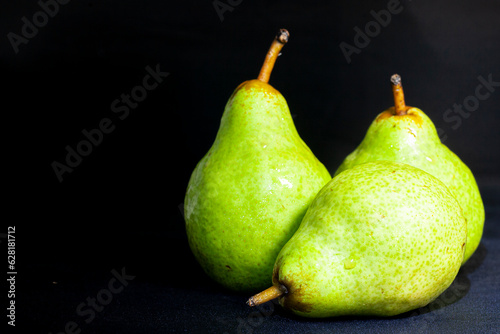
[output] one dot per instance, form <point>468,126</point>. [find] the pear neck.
<point>256,108</point>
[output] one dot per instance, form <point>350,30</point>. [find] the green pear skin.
<point>380,239</point>
<point>413,139</point>
<point>248,194</point>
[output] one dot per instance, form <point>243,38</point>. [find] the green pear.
<point>248,194</point>
<point>407,135</point>
<point>381,238</point>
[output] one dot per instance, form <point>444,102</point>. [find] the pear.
<point>381,238</point>
<point>248,194</point>
<point>405,134</point>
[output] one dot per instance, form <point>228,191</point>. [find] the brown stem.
<point>269,294</point>
<point>273,53</point>
<point>399,96</point>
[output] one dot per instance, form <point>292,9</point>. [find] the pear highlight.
<point>380,239</point>
<point>249,193</point>
<point>405,134</point>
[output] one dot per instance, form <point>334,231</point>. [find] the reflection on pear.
<point>248,194</point>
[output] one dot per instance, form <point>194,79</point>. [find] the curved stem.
<point>269,294</point>
<point>273,53</point>
<point>399,97</point>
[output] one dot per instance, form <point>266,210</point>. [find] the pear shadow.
<point>476,260</point>
<point>456,291</point>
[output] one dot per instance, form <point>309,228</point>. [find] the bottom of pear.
<point>292,299</point>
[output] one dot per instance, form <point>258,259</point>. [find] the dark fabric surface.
<point>162,290</point>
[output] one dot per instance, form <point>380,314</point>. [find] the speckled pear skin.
<point>413,139</point>
<point>248,194</point>
<point>381,238</point>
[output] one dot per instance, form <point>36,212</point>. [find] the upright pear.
<point>380,239</point>
<point>248,194</point>
<point>405,134</point>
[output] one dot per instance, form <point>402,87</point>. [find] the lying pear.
<point>406,134</point>
<point>381,238</point>
<point>248,194</point>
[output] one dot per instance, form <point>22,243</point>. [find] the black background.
<point>121,206</point>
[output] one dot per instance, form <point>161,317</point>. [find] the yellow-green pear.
<point>380,239</point>
<point>248,194</point>
<point>405,134</point>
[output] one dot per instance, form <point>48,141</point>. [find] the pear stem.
<point>273,53</point>
<point>399,96</point>
<point>269,294</point>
